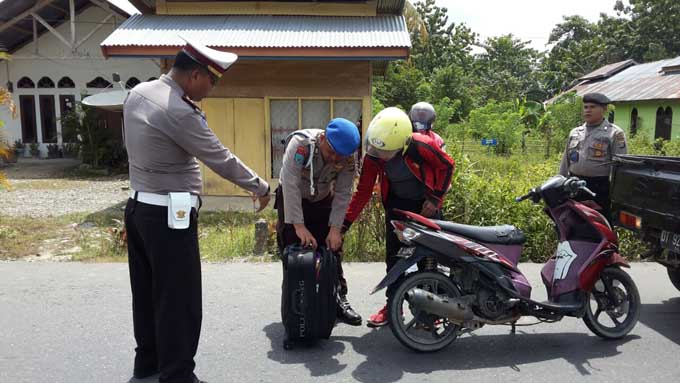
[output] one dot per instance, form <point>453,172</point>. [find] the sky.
<point>526,19</point>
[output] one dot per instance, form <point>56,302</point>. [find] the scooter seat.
<point>501,235</point>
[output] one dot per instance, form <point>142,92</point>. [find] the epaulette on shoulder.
<point>191,103</point>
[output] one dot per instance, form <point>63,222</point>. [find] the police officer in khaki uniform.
<point>590,148</point>
<point>315,189</point>
<point>165,132</point>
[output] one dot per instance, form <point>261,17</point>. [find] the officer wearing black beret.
<point>590,147</point>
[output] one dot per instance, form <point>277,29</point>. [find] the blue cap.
<point>343,136</point>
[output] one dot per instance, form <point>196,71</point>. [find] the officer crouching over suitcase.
<point>165,131</point>
<point>315,188</point>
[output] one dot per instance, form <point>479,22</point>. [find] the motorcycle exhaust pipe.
<point>452,308</point>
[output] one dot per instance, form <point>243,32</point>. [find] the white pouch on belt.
<point>179,210</point>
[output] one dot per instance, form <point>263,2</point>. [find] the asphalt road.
<point>71,322</point>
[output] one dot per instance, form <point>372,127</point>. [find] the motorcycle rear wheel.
<point>615,295</point>
<point>417,329</point>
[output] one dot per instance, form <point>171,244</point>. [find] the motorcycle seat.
<point>500,235</point>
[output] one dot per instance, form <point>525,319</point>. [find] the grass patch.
<point>231,235</point>
<point>222,236</point>
<point>22,236</point>
<point>100,237</point>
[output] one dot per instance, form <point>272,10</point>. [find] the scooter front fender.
<point>591,273</point>
<point>399,269</point>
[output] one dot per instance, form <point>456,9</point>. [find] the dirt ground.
<point>55,209</point>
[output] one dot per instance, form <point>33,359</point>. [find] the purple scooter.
<point>468,277</point>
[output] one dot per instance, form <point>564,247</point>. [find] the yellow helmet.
<point>388,133</point>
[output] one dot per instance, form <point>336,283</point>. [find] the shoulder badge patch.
<point>300,155</point>
<point>620,138</point>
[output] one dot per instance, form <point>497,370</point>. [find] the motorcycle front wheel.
<point>613,306</point>
<point>413,327</point>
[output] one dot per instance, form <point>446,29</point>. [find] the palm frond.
<point>414,22</point>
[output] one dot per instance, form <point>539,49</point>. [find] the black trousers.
<point>392,243</point>
<point>316,215</point>
<point>165,276</point>
<point>599,186</point>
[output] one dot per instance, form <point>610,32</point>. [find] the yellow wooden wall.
<point>237,109</point>
<point>240,124</point>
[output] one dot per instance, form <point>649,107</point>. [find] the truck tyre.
<point>674,275</point>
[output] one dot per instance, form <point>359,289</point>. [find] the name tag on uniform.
<point>179,210</point>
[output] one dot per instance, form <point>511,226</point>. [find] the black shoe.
<point>346,313</point>
<point>142,374</point>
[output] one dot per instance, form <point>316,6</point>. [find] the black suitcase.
<point>308,299</point>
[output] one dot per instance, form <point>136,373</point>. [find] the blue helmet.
<point>343,136</point>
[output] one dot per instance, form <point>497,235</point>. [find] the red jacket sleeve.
<point>442,166</point>
<point>370,169</point>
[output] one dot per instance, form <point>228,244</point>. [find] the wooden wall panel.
<point>295,79</point>
<point>251,142</point>
<point>240,126</point>
<point>220,117</point>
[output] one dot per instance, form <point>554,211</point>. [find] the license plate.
<point>670,241</point>
<point>406,252</point>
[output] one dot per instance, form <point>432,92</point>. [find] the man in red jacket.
<point>414,175</point>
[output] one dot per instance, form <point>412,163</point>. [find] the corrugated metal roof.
<point>638,82</point>
<point>608,70</point>
<point>258,31</point>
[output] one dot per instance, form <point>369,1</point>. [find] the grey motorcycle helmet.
<point>422,116</point>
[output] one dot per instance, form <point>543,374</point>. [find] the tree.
<point>439,49</point>
<point>645,30</point>
<point>400,86</point>
<point>414,22</point>
<point>578,50</point>
<point>655,27</point>
<point>456,84</point>
<point>446,110</point>
<point>446,43</point>
<point>507,69</point>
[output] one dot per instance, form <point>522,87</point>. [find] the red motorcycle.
<point>468,277</point>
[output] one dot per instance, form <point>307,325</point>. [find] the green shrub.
<point>563,116</point>
<point>483,192</point>
<point>99,147</point>
<point>365,241</point>
<point>642,144</point>
<point>500,121</point>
